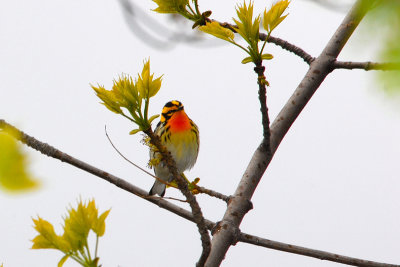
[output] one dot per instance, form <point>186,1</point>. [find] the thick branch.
<point>319,69</point>
<point>319,254</point>
<point>227,234</point>
<point>366,65</point>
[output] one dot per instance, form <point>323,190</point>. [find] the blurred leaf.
<point>273,17</point>
<point>214,28</point>
<point>383,22</point>
<point>170,6</point>
<point>14,175</point>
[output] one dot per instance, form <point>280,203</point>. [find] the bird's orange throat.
<point>179,122</point>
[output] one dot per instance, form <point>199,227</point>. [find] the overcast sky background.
<point>333,184</point>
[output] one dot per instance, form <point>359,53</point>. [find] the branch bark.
<point>196,216</point>
<point>319,254</point>
<point>183,187</point>
<point>366,65</point>
<point>228,231</point>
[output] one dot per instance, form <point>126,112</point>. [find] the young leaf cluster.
<point>132,95</point>
<point>249,29</point>
<point>184,8</point>
<point>14,175</point>
<point>73,243</point>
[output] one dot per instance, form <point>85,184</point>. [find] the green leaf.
<point>100,226</point>
<point>247,60</point>
<point>63,260</point>
<point>267,56</point>
<point>14,176</point>
<point>246,26</point>
<point>152,118</point>
<point>146,85</point>
<point>273,17</point>
<point>77,227</point>
<point>214,28</point>
<point>135,131</point>
<point>47,238</point>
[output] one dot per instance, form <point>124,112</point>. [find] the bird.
<point>180,135</point>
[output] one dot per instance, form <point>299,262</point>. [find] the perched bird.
<point>180,136</point>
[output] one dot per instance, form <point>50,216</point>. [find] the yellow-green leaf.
<point>109,98</point>
<point>47,238</point>
<point>247,60</point>
<point>14,175</point>
<point>146,85</point>
<point>273,17</point>
<point>135,131</point>
<point>100,226</point>
<point>214,28</point>
<point>246,26</point>
<point>267,56</point>
<point>155,86</point>
<point>77,227</point>
<point>152,118</point>
<point>63,260</point>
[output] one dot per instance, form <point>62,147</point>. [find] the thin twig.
<point>366,65</point>
<point>212,193</point>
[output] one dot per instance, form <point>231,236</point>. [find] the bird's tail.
<point>158,188</point>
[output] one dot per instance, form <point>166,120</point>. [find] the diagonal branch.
<point>196,215</point>
<point>53,152</point>
<point>183,187</point>
<point>289,47</point>
<point>228,231</point>
<point>319,254</point>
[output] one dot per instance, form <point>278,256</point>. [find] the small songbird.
<point>180,135</point>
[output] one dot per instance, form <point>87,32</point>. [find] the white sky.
<point>333,184</point>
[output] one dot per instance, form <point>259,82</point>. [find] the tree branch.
<point>57,154</point>
<point>162,203</point>
<point>366,65</point>
<point>228,231</point>
<point>319,254</point>
<point>183,187</point>
<point>289,47</point>
<point>319,69</point>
